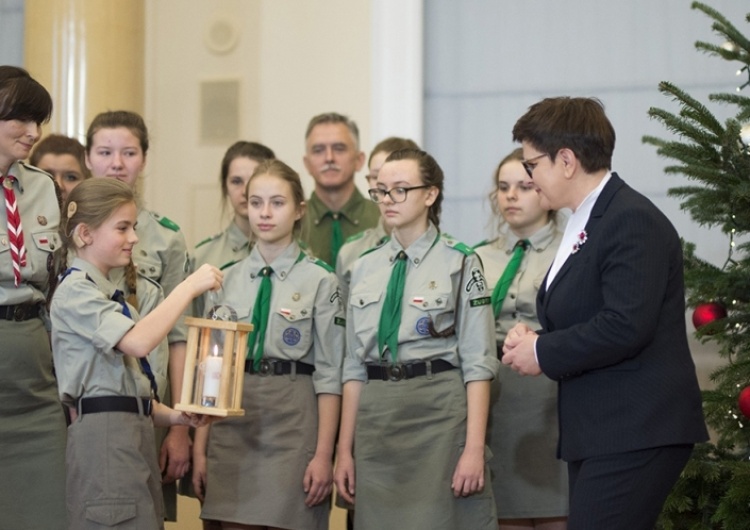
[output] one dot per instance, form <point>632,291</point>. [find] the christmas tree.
<point>714,489</point>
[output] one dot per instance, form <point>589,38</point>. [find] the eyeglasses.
<point>528,166</point>
<point>396,194</point>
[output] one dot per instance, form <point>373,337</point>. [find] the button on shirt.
<point>356,215</point>
<point>306,320</point>
<point>86,326</point>
<point>443,286</point>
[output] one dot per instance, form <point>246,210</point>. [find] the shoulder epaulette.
<point>461,247</point>
<point>358,235</point>
<point>482,244</point>
<point>228,264</point>
<point>35,169</point>
<point>383,241</point>
<point>145,278</point>
<point>166,222</point>
<point>209,238</point>
<point>320,263</point>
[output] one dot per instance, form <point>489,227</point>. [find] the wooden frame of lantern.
<point>230,369</point>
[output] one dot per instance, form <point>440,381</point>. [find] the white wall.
<point>11,32</point>
<point>293,60</point>
<point>487,61</point>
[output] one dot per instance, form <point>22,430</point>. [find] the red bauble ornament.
<point>707,313</point>
<point>744,401</point>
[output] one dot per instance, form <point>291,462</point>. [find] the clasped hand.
<point>518,350</point>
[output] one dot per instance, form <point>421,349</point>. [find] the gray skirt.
<point>113,473</point>
<point>408,438</point>
<point>256,462</point>
<point>32,430</point>
<point>527,478</point>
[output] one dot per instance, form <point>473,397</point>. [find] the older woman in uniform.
<point>419,361</point>
<point>32,424</point>
<point>529,482</point>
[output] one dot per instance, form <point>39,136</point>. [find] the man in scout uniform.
<point>336,209</point>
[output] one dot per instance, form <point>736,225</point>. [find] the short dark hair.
<point>578,124</point>
<point>58,144</point>
<point>22,97</point>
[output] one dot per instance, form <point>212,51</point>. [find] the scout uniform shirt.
<point>357,214</point>
<point>444,286</point>
<point>305,321</point>
<point>160,254</point>
<point>350,252</point>
<point>520,302</point>
<point>86,326</point>
<point>40,217</point>
<point>222,250</point>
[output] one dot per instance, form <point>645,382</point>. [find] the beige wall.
<point>293,59</point>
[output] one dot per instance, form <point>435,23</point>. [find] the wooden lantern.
<point>214,373</point>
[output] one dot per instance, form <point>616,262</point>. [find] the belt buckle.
<point>396,372</point>
<point>266,368</point>
<point>19,313</point>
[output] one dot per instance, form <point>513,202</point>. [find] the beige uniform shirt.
<point>354,247</point>
<point>222,250</point>
<point>40,218</point>
<point>305,321</point>
<point>161,255</point>
<point>359,213</point>
<point>520,302</point>
<point>444,286</point>
<point>86,326</point>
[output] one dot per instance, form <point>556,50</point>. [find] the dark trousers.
<point>624,491</point>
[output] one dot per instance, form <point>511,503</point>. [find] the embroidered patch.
<point>291,336</point>
<point>480,301</point>
<point>423,326</point>
<point>335,296</point>
<point>339,321</point>
<point>477,280</point>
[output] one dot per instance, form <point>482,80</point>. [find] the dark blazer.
<point>614,334</point>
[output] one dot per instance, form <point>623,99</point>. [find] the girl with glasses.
<point>420,358</point>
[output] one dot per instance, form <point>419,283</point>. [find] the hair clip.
<point>72,208</point>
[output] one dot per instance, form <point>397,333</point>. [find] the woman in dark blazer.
<point>613,332</point>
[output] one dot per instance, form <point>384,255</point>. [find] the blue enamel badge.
<point>291,336</point>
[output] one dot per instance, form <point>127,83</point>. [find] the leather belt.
<point>19,312</point>
<point>399,371</point>
<point>276,367</point>
<point>114,404</point>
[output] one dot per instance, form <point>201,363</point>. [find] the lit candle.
<point>212,378</point>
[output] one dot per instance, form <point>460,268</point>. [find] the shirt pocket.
<point>365,311</point>
<point>421,312</point>
<point>112,512</point>
<point>150,266</point>
<point>41,247</point>
<point>292,327</point>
